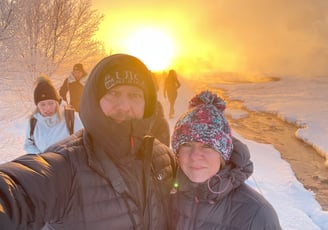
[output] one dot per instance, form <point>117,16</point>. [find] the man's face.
<point>77,74</point>
<point>123,102</point>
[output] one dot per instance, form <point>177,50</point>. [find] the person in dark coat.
<point>210,191</point>
<point>73,86</point>
<point>171,86</point>
<point>110,175</point>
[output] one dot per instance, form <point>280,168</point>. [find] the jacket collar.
<point>235,173</point>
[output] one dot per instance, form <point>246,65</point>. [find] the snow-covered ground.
<point>303,101</point>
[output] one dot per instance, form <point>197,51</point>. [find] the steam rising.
<point>271,37</point>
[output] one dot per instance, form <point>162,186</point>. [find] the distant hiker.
<point>210,191</point>
<point>50,122</point>
<point>73,85</point>
<point>171,86</point>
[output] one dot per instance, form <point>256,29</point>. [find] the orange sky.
<point>270,37</point>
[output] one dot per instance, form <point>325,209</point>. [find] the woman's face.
<point>47,108</point>
<point>198,161</point>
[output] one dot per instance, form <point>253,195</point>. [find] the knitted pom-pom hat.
<point>204,122</point>
<point>45,90</point>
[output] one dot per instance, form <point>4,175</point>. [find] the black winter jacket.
<point>74,88</point>
<point>231,205</point>
<point>73,190</point>
<point>108,176</point>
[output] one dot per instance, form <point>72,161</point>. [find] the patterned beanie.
<point>204,122</point>
<point>44,90</point>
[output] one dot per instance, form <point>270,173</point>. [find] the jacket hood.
<point>105,133</point>
<point>235,173</point>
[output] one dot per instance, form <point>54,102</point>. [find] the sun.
<point>153,46</point>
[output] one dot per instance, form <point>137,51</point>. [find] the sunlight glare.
<point>152,46</point>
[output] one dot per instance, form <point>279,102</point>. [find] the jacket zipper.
<point>194,208</point>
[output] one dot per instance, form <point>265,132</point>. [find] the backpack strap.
<point>33,121</point>
<point>69,118</point>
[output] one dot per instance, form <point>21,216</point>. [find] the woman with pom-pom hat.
<point>47,124</point>
<point>210,190</point>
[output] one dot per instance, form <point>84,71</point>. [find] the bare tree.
<point>6,31</point>
<point>6,18</point>
<point>51,33</point>
<point>45,37</point>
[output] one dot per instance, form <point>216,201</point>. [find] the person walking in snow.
<point>171,86</point>
<point>109,175</point>
<point>210,191</point>
<point>73,86</point>
<point>48,124</point>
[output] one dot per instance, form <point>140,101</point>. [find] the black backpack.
<point>69,118</point>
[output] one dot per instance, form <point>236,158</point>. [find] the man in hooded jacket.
<point>110,175</point>
<point>73,86</point>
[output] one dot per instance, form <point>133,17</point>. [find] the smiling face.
<point>198,161</point>
<point>123,102</point>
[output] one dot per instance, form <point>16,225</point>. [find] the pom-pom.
<point>42,78</point>
<point>207,98</point>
